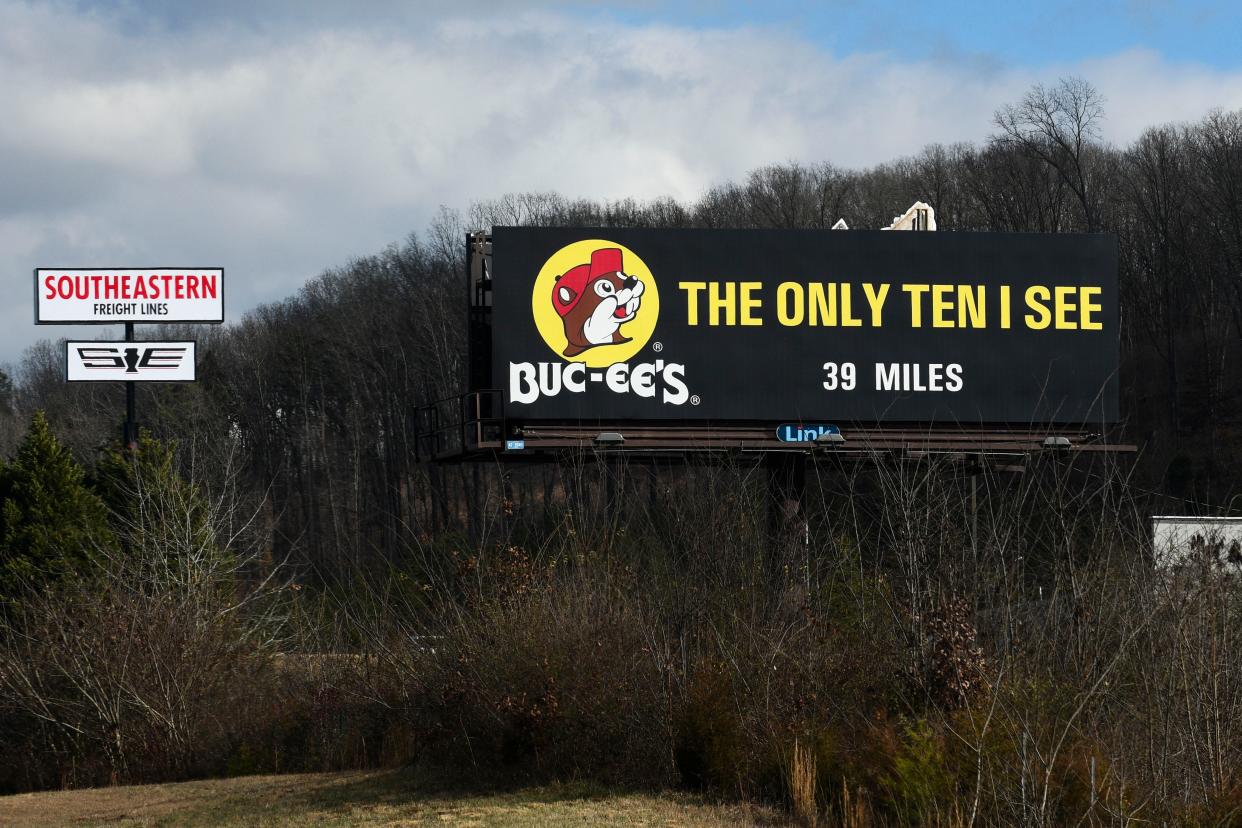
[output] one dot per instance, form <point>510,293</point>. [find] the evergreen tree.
<point>51,523</point>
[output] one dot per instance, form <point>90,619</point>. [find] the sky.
<point>280,139</point>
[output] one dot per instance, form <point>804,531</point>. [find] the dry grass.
<point>364,798</point>
<point>802,778</point>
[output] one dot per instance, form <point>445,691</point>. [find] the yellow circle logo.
<point>596,302</point>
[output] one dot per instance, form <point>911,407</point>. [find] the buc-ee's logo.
<point>596,303</point>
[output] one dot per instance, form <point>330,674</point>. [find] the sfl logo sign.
<point>595,304</point>
<point>130,361</point>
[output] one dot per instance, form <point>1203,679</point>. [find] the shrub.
<point>922,786</point>
<point>557,680</point>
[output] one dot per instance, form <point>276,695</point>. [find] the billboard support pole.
<point>787,516</point>
<point>974,517</point>
<point>131,428</point>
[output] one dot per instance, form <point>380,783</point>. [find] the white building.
<point>920,216</point>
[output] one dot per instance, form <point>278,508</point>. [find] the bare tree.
<point>1159,189</point>
<point>1059,126</point>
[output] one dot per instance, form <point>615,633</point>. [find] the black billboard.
<point>792,325</point>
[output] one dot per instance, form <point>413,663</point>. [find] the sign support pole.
<point>131,427</point>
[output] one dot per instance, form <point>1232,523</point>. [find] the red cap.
<point>604,260</point>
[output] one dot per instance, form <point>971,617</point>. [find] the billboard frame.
<point>474,425</point>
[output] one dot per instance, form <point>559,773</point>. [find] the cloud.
<point>279,152</point>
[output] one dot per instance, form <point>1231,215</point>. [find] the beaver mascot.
<point>595,300</point>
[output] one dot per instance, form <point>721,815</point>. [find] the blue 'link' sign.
<point>804,433</point>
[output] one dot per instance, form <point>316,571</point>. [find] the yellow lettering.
<point>941,305</point>
<point>1004,306</point>
<point>823,305</point>
<point>1089,308</point>
<point>785,292</point>
<point>751,303</point>
<point>972,304</point>
<point>692,300</point>
<point>1041,317</point>
<point>1065,305</point>
<point>848,320</point>
<point>916,303</point>
<point>876,301</point>
<point>717,303</point>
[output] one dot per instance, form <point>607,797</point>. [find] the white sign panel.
<point>108,296</point>
<point>1183,540</point>
<point>129,361</point>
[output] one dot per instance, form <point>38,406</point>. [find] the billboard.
<point>94,296</point>
<point>129,361</point>
<point>804,326</point>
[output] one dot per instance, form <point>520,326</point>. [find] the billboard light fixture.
<point>610,439</point>
<point>830,438</point>
<point>1056,442</point>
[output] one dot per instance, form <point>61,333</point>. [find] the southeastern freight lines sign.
<point>91,296</point>
<point>822,326</point>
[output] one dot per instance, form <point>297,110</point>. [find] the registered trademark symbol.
<point>657,347</point>
<point>694,399</point>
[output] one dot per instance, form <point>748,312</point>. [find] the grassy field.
<point>366,798</point>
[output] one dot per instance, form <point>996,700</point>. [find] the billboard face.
<point>805,326</point>
<point>129,361</point>
<point>109,296</point>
